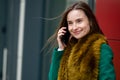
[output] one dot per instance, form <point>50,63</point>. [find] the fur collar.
<point>80,61</point>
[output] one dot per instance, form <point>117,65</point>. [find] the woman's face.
<point>78,23</point>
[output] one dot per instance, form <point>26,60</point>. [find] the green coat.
<point>106,67</point>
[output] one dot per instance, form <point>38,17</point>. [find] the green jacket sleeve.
<point>56,56</point>
<point>107,71</point>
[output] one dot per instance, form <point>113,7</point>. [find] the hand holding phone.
<point>62,38</point>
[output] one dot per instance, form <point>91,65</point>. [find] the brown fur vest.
<point>81,61</point>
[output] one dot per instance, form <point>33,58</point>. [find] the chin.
<point>79,37</point>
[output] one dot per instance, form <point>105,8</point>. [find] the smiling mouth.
<point>76,32</point>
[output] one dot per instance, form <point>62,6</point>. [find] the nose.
<point>74,26</point>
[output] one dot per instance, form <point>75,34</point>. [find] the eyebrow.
<point>76,19</point>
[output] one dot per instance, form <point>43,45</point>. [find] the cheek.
<point>69,28</point>
<point>87,28</point>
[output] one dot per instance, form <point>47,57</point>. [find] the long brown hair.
<point>94,27</point>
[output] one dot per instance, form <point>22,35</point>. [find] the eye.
<point>79,20</point>
<point>69,22</point>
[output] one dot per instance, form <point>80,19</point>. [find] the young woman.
<point>83,52</point>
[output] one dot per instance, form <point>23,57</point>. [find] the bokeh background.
<point>25,26</point>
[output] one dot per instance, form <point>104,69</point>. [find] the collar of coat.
<point>80,60</point>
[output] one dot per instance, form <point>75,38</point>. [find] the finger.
<point>63,28</point>
<point>60,34</point>
<point>61,31</point>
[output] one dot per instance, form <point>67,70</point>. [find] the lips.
<point>76,32</point>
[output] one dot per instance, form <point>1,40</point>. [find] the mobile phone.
<point>65,37</point>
